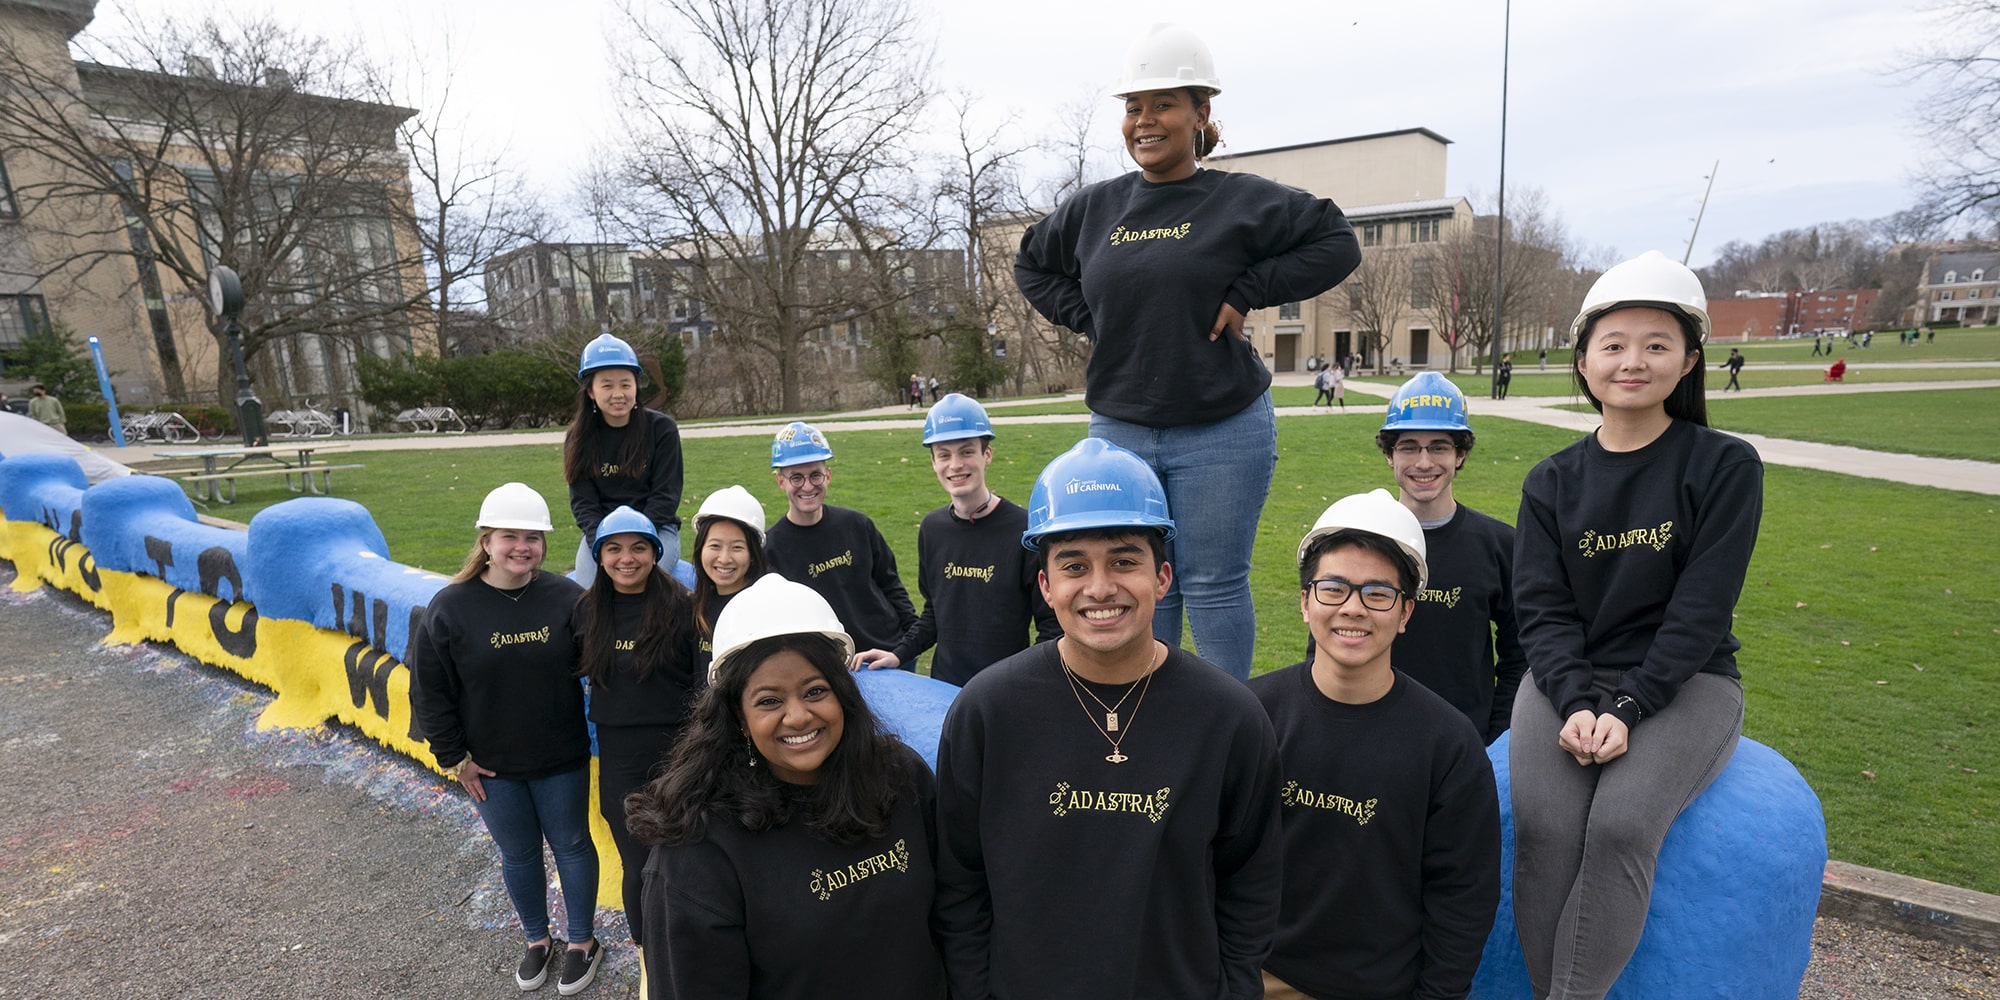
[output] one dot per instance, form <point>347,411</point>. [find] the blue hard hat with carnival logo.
<point>607,351</point>
<point>625,521</point>
<point>956,417</point>
<point>1428,402</point>
<point>798,443</point>
<point>1095,484</point>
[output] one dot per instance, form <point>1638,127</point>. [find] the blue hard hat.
<point>626,521</point>
<point>1095,484</point>
<point>956,417</point>
<point>607,351</point>
<point>798,443</point>
<point>1428,402</point>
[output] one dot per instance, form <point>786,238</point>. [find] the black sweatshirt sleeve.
<point>1510,658</point>
<point>586,505</point>
<point>695,943</point>
<point>434,697</point>
<point>1461,882</point>
<point>923,631</point>
<point>1048,273</point>
<point>1551,626</point>
<point>1699,613</point>
<point>1321,251</point>
<point>1249,855</point>
<point>964,897</point>
<point>891,583</point>
<point>663,473</point>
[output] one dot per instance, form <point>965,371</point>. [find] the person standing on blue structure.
<point>619,454</point>
<point>1630,551</point>
<point>1158,268</point>
<point>978,581</point>
<point>1463,642</point>
<point>836,551</point>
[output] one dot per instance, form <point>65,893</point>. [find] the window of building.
<point>8,210</point>
<point>1289,310</point>
<point>1950,276</point>
<point>1978,274</point>
<point>1972,293</point>
<point>1944,296</point>
<point>21,316</point>
<point>1353,295</point>
<point>1424,230</point>
<point>1371,234</point>
<point>1420,284</point>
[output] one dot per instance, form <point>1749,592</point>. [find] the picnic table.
<point>228,464</point>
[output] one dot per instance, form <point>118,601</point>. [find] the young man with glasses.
<point>1390,820</point>
<point>834,550</point>
<point>1463,643</point>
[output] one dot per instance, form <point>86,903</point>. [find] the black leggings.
<point>627,758</point>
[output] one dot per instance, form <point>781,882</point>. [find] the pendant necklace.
<point>1110,724</point>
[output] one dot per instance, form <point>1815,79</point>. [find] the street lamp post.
<point>225,293</point>
<point>1500,223</point>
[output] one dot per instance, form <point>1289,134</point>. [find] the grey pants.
<point>1587,837</point>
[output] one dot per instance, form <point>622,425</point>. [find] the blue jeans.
<point>520,815</point>
<point>1217,477</point>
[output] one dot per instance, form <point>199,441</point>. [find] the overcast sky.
<point>1616,110</point>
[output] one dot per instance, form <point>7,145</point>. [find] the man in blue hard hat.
<point>978,581</point>
<point>836,551</point>
<point>1462,642</point>
<point>1107,804</point>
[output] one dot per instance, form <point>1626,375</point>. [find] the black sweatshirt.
<point>1392,842</point>
<point>781,913</point>
<point>1467,609</point>
<point>1061,874</point>
<point>980,592</point>
<point>658,496</point>
<point>1143,269</point>
<point>495,678</point>
<point>659,701</point>
<point>1633,561</point>
<point>705,647</point>
<point>846,559</point>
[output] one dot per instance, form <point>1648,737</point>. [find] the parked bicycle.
<point>308,422</point>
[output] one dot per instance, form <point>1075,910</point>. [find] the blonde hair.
<point>477,560</point>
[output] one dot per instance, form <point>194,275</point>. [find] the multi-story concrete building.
<point>73,251</point>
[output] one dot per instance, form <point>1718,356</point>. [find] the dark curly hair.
<point>709,777</point>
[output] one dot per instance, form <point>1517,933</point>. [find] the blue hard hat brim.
<point>584,373</point>
<point>940,438</point>
<point>597,547</point>
<point>1093,519</point>
<point>1425,425</point>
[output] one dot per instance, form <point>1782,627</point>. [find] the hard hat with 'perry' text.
<point>775,606</point>
<point>1650,280</point>
<point>955,418</point>
<point>607,351</point>
<point>1095,484</point>
<point>736,504</point>
<point>1428,402</point>
<point>514,505</point>
<point>798,443</point>
<point>1167,57</point>
<point>625,521</point>
<point>1377,513</point>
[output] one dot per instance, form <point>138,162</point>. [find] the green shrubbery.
<point>512,387</point>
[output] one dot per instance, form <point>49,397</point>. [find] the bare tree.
<point>1459,297</point>
<point>1377,297</point>
<point>1962,117</point>
<point>766,134</point>
<point>242,144</point>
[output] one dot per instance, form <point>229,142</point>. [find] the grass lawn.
<point>1976,344</point>
<point>1869,660</point>
<point>1948,423</point>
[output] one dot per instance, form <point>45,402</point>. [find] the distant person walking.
<point>1817,349</point>
<point>1503,376</point>
<point>916,390</point>
<point>1735,366</point>
<point>47,408</point>
<point>1543,359</point>
<point>1336,387</point>
<point>934,389</point>
<point>1323,387</point>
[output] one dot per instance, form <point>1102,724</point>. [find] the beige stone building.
<point>85,261</point>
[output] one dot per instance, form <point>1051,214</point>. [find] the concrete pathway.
<point>1943,473</point>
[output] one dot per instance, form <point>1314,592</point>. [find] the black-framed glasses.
<point>1436,449</point>
<point>1334,592</point>
<point>797,479</point>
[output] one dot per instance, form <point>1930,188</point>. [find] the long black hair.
<point>704,588</point>
<point>1689,400</point>
<point>583,443</point>
<point>710,775</point>
<point>666,630</point>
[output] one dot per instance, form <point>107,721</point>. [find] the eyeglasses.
<point>1436,449</point>
<point>1334,592</point>
<point>796,480</point>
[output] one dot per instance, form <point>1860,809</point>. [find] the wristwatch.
<point>1627,701</point>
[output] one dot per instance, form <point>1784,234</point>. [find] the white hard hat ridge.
<point>735,503</point>
<point>514,505</point>
<point>1377,513</point>
<point>1652,280</point>
<point>1167,57</point>
<point>775,606</point>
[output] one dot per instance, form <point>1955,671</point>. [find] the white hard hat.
<point>1651,280</point>
<point>736,504</point>
<point>1377,513</point>
<point>1167,57</point>
<point>514,505</point>
<point>775,606</point>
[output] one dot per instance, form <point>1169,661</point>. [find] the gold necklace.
<point>1142,685</point>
